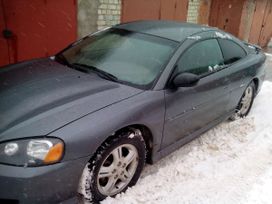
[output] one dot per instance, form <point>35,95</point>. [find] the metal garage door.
<point>154,9</point>
<point>261,29</point>
<point>226,15</point>
<point>35,28</point>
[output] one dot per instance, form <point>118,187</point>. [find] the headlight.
<point>31,152</point>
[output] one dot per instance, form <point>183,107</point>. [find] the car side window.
<point>232,52</point>
<point>201,58</point>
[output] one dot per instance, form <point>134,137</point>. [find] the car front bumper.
<point>47,184</point>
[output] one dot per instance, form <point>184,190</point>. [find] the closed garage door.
<point>154,10</point>
<point>33,29</point>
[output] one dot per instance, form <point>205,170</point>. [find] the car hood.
<point>38,97</point>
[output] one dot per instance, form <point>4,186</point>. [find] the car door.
<point>189,109</point>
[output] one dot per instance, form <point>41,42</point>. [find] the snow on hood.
<point>229,164</point>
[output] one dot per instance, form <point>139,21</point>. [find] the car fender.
<point>83,136</point>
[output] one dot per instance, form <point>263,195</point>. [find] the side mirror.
<point>185,80</point>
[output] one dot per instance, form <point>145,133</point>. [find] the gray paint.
<point>33,185</point>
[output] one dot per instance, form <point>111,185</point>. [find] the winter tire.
<point>116,166</point>
<point>245,103</point>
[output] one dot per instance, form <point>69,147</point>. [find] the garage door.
<point>154,10</point>
<point>261,29</point>
<point>226,15</point>
<point>34,29</point>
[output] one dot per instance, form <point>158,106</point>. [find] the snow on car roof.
<point>172,30</point>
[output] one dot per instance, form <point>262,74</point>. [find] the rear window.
<point>232,52</point>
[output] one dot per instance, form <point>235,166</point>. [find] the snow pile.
<point>231,163</point>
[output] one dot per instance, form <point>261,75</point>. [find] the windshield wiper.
<point>87,68</point>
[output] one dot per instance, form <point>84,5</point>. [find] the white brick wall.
<point>109,13</point>
<point>193,11</point>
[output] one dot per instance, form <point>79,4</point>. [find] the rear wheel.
<point>245,103</point>
<point>116,166</point>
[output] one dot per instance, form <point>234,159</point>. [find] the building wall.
<point>87,16</point>
<point>193,9</point>
<point>95,15</point>
<point>109,13</point>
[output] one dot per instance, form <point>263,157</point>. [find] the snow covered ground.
<point>231,163</point>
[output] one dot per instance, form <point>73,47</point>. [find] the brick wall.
<point>95,15</point>
<point>87,16</point>
<point>108,13</point>
<point>193,7</point>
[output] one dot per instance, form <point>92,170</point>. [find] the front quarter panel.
<point>84,136</point>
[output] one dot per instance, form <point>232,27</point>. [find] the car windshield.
<point>132,58</point>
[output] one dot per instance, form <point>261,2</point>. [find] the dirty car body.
<point>50,98</point>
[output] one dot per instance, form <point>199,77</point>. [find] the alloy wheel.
<point>117,169</point>
<point>246,101</point>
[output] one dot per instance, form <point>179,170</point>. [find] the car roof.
<point>172,30</point>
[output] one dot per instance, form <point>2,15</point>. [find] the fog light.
<point>11,148</point>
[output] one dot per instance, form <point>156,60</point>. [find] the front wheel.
<point>116,166</point>
<point>245,103</point>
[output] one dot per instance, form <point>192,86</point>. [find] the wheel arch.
<point>146,134</point>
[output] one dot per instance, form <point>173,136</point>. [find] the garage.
<point>154,10</point>
<point>34,29</point>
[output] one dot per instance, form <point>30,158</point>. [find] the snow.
<point>231,163</point>
<point>214,68</point>
<point>223,36</point>
<point>196,37</point>
<point>270,43</point>
<point>268,55</point>
<point>251,47</point>
<point>132,135</point>
<point>84,183</point>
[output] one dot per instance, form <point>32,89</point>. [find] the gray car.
<point>82,124</point>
